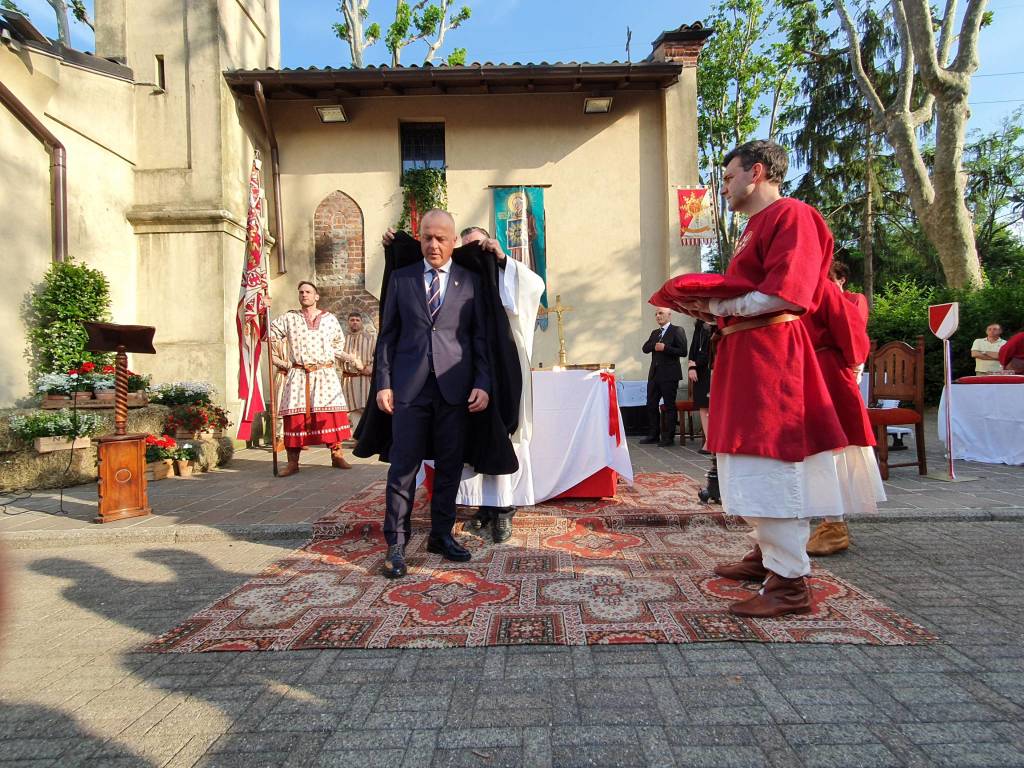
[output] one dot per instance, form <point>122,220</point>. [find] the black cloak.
<point>488,446</point>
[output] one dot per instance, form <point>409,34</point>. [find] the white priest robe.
<point>520,289</point>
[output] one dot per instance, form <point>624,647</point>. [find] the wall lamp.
<point>333,113</point>
<point>596,105</point>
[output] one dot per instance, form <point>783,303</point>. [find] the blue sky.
<point>583,30</point>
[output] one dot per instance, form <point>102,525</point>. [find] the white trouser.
<point>783,543</point>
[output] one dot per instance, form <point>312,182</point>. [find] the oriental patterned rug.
<point>634,569</point>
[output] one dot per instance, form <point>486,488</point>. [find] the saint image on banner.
<point>520,228</point>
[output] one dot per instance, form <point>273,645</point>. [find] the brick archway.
<point>340,262</point>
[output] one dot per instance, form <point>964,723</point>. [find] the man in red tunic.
<point>772,424</point>
<point>838,331</point>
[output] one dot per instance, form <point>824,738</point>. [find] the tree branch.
<point>966,61</point>
<point>906,73</point>
<point>919,23</point>
<point>946,33</point>
<point>866,87</point>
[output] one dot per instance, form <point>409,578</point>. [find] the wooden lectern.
<point>122,457</point>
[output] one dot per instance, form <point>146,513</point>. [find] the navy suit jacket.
<point>455,342</point>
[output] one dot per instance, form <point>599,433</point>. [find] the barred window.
<point>422,145</point>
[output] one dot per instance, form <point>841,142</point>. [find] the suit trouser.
<point>426,426</point>
<point>657,390</point>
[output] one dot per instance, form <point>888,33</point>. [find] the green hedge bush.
<point>901,313</point>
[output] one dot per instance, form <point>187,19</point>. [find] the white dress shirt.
<point>443,273</point>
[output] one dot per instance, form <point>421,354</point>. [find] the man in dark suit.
<point>666,345</point>
<point>431,370</point>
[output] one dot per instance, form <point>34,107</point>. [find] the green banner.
<point>520,227</point>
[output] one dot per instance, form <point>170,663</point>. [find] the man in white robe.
<point>497,496</point>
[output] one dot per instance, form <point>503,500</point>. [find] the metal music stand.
<point>122,457</point>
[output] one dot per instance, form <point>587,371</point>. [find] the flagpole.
<point>271,375</point>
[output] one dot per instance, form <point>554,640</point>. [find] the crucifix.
<point>558,310</point>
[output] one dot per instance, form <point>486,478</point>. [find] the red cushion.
<point>699,285</point>
<point>891,416</point>
<point>990,380</point>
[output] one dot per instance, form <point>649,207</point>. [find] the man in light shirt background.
<point>986,351</point>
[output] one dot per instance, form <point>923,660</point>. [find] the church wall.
<point>190,206</point>
<point>91,114</point>
<point>606,235</point>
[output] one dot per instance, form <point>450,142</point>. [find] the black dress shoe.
<point>479,521</point>
<point>448,548</point>
<point>666,443</point>
<point>501,525</point>
<point>704,452</point>
<point>394,563</point>
<point>648,440</point>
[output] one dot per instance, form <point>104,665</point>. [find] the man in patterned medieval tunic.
<point>356,381</point>
<point>309,341</point>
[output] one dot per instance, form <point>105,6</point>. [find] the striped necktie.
<point>434,294</point>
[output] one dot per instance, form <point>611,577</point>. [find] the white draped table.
<point>571,440</point>
<point>988,422</point>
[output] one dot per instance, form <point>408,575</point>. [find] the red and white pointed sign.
<point>944,319</point>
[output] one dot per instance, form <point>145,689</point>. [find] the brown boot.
<point>778,597</point>
<point>338,457</point>
<point>828,538</point>
<point>293,463</point>
<point>747,569</point>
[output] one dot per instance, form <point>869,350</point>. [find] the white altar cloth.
<point>570,432</point>
<point>988,422</point>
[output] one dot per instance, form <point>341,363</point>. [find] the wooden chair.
<point>686,407</point>
<point>896,372</point>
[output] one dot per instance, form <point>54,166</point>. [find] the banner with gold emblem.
<point>696,216</point>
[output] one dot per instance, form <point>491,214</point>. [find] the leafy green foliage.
<point>457,58</point>
<point>10,5</point>
<point>70,294</point>
<point>428,187</point>
<point>901,313</point>
<point>62,423</point>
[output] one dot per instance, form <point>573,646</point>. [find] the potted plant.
<point>218,419</point>
<point>81,378</point>
<point>182,393</point>
<point>56,430</point>
<point>185,422</point>
<point>137,386</point>
<point>184,459</point>
<point>56,389</point>
<point>103,385</point>
<point>160,456</point>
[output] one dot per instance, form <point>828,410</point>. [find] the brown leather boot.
<point>828,538</point>
<point>293,463</point>
<point>747,569</point>
<point>778,597</point>
<point>338,457</point>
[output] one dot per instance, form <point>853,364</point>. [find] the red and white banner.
<point>696,216</point>
<point>251,317</point>
<point>944,319</point>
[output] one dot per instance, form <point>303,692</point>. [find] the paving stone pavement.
<point>75,692</point>
<point>244,500</point>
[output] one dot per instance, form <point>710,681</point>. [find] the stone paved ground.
<point>244,499</point>
<point>74,692</point>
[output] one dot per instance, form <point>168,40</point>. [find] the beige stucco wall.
<point>608,245</point>
<point>91,114</point>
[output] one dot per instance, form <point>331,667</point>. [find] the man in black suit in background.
<point>431,370</point>
<point>666,345</point>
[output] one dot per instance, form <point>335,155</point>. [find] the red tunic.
<point>768,397</point>
<point>839,332</point>
<point>326,428</point>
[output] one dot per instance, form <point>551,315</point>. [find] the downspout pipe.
<point>58,169</point>
<point>275,170</point>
